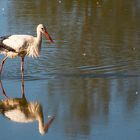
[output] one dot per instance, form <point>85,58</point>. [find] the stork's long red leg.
<point>2,63</point>
<point>3,91</point>
<point>22,88</point>
<point>22,67</point>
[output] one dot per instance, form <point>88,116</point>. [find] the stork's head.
<point>41,28</point>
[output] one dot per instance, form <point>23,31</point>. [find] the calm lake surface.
<point>89,79</point>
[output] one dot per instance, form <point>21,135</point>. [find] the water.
<point>89,79</point>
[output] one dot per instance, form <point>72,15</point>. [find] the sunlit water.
<point>89,78</point>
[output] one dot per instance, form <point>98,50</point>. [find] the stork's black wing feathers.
<point>5,47</point>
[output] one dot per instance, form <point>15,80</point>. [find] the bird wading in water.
<point>23,45</point>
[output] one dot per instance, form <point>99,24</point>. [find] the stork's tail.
<point>4,47</point>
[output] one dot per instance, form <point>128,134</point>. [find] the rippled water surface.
<point>89,79</point>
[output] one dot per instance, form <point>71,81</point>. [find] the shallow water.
<point>89,79</point>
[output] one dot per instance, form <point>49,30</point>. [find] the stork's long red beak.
<point>48,37</point>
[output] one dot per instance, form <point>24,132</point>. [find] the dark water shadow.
<point>23,111</point>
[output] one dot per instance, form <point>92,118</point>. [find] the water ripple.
<point>110,71</point>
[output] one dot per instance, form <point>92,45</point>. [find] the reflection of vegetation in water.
<point>22,111</point>
<point>104,31</point>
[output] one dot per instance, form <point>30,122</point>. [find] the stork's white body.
<point>23,45</point>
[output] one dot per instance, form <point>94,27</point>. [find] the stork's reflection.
<point>22,111</point>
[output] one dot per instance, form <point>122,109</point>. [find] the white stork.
<point>21,45</point>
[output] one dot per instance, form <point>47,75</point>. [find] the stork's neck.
<point>34,50</point>
<point>39,38</point>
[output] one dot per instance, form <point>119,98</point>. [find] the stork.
<point>23,45</point>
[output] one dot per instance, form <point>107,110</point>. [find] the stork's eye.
<point>42,28</point>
